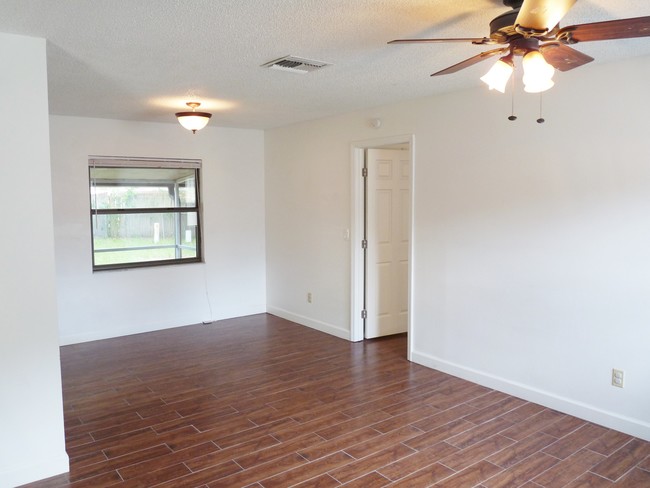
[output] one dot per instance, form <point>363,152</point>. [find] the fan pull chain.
<point>512,116</point>
<point>541,119</point>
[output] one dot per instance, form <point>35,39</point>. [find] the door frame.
<point>357,227</point>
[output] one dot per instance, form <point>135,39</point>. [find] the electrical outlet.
<point>309,297</point>
<point>618,376</point>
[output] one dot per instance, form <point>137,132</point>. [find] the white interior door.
<point>388,199</point>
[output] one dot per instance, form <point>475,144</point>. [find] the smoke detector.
<point>294,64</point>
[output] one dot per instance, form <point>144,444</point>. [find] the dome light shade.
<point>193,120</point>
<point>498,76</point>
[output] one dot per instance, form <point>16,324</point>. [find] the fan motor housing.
<point>503,26</point>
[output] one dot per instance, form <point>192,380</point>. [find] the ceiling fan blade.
<point>471,61</point>
<point>473,40</point>
<point>563,57</point>
<point>601,31</point>
<point>540,16</point>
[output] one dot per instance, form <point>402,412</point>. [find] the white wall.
<point>230,283</point>
<point>31,412</point>
<point>531,257</point>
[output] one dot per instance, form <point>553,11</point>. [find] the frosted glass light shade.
<point>537,73</point>
<point>498,76</point>
<point>539,86</point>
<point>193,120</point>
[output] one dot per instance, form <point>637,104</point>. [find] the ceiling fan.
<point>531,30</point>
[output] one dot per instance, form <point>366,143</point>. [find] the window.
<point>144,212</point>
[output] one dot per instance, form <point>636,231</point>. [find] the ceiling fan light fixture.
<point>193,120</point>
<point>499,74</point>
<point>538,87</point>
<point>538,73</point>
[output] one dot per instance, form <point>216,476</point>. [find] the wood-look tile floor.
<point>261,402</point>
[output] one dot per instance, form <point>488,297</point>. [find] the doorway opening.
<point>381,236</point>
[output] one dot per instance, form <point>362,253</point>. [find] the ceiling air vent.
<point>295,65</point>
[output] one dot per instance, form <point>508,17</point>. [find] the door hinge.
<point>364,314</point>
<point>364,172</point>
<point>364,244</point>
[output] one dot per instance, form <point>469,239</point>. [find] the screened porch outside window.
<point>144,212</point>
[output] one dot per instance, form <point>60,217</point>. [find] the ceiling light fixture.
<point>537,73</point>
<point>537,77</point>
<point>193,120</point>
<point>498,76</point>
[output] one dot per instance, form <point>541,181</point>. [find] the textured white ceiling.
<point>142,59</point>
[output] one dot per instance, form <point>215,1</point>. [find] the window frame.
<point>95,162</point>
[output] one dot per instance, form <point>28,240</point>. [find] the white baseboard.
<point>46,468</point>
<point>109,333</point>
<point>311,323</point>
<point>631,426</point>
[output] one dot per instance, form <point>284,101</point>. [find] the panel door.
<point>388,230</point>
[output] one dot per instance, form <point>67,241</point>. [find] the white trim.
<point>311,323</point>
<point>356,252</point>
<point>121,162</point>
<point>612,420</point>
<point>357,149</point>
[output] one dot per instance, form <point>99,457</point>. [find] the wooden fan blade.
<point>471,61</point>
<point>541,16</point>
<point>563,57</point>
<point>473,40</point>
<point>601,31</point>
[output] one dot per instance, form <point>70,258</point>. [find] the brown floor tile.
<point>370,480</point>
<point>346,426</point>
<point>340,443</point>
<point>383,441</point>
<point>575,441</point>
<point>645,464</point>
<point>590,480</point>
<point>322,481</point>
<point>447,431</point>
<point>417,462</point>
<point>489,399</point>
<point>609,442</point>
<point>371,463</point>
<point>569,469</point>
<point>564,426</point>
<point>157,477</point>
<point>484,449</point>
<point>80,472</point>
<point>445,417</point>
<point>262,456</point>
<point>499,409</point>
<point>637,478</point>
<point>264,471</point>
<point>475,474</point>
<point>212,473</point>
<point>260,402</point>
<point>535,423</point>
<point>515,453</point>
<point>106,479</point>
<point>622,460</point>
<point>425,477</point>
<point>523,472</point>
<point>477,434</point>
<point>308,471</point>
<point>524,412</point>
